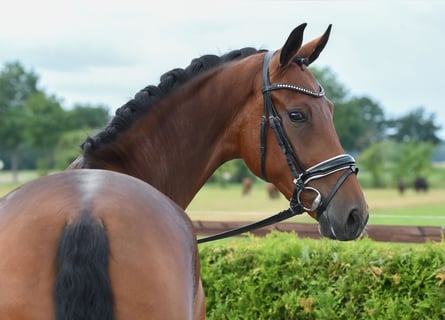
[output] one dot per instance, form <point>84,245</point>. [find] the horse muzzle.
<point>335,222</point>
<point>350,228</point>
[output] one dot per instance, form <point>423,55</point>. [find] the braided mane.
<point>151,95</point>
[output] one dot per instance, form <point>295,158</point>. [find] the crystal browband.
<point>278,86</point>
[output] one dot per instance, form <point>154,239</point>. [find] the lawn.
<point>7,184</point>
<point>386,206</point>
<point>214,202</point>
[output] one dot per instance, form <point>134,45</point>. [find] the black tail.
<point>82,288</point>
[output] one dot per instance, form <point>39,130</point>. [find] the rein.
<point>302,176</point>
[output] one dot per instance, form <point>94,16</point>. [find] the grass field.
<point>213,202</point>
<point>387,206</point>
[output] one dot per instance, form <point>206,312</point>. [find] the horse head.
<point>298,149</point>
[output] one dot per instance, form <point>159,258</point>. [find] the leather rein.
<point>301,175</point>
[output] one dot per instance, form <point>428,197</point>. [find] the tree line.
<point>36,131</point>
<point>395,148</point>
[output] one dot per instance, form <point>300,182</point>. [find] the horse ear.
<point>292,45</point>
<point>311,50</point>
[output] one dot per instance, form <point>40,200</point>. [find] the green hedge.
<point>284,277</point>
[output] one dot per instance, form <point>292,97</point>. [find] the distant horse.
<point>91,244</point>
<point>421,184</point>
<point>247,186</point>
<point>272,191</point>
<point>401,186</point>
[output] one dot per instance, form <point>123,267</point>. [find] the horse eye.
<point>297,116</point>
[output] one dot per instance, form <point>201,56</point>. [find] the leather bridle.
<point>301,175</point>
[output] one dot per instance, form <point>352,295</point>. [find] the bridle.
<point>301,175</point>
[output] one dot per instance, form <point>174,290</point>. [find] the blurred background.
<point>66,67</point>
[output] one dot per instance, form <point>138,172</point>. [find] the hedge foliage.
<point>284,277</point>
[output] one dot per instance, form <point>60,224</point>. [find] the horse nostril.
<point>354,221</point>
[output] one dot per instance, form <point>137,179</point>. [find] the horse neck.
<point>179,143</point>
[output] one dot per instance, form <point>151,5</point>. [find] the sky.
<point>103,52</point>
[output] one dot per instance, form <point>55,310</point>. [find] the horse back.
<point>149,245</point>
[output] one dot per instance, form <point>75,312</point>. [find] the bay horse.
<point>109,238</point>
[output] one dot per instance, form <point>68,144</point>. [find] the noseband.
<point>301,175</point>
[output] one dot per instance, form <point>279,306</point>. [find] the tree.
<point>373,160</point>
<point>68,147</point>
<point>335,91</point>
<point>359,122</point>
<point>87,116</point>
<point>81,121</point>
<point>415,126</point>
<point>32,122</point>
<point>412,159</point>
<point>16,86</point>
<point>231,171</point>
<point>396,160</point>
<point>45,122</point>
